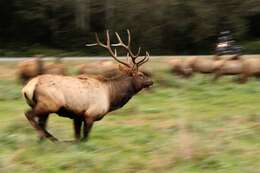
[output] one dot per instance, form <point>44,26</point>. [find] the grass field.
<point>179,126</point>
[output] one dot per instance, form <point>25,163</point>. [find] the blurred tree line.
<point>163,26</point>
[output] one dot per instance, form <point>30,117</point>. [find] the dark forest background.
<point>162,26</point>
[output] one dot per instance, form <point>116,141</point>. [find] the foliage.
<point>165,26</point>
<point>252,46</point>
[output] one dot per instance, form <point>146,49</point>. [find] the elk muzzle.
<point>148,83</point>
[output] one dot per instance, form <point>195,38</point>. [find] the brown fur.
<point>206,65</point>
<point>230,67</point>
<point>244,67</point>
<point>176,65</point>
<point>55,69</point>
<point>83,98</point>
<point>103,67</point>
<point>29,69</point>
<point>181,66</point>
<point>34,67</point>
<point>251,67</point>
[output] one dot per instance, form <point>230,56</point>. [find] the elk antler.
<point>127,47</point>
<point>108,47</point>
<point>130,52</point>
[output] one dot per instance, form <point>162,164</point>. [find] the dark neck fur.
<point>121,90</point>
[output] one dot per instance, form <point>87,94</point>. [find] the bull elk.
<point>84,99</point>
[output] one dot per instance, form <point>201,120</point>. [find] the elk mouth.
<point>148,84</point>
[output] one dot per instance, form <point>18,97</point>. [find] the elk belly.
<point>89,98</point>
<point>233,68</point>
<point>99,105</point>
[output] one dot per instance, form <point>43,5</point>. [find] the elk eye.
<point>141,76</point>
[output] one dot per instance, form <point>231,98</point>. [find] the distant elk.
<point>33,67</point>
<point>186,67</point>
<point>180,67</point>
<point>106,68</point>
<point>86,98</point>
<point>206,65</point>
<point>55,68</point>
<point>29,68</point>
<point>251,68</point>
<point>230,67</point>
<point>243,67</point>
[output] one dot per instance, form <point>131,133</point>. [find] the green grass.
<point>180,125</point>
<point>252,47</point>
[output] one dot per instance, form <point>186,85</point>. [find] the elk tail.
<point>28,91</point>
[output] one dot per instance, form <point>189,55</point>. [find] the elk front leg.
<point>243,78</point>
<point>88,123</point>
<point>77,128</point>
<point>30,115</point>
<point>217,76</point>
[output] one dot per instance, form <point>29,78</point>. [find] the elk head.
<point>130,68</point>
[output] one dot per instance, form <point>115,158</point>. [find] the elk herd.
<point>239,66</point>
<point>104,86</point>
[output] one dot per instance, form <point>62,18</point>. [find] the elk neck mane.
<point>121,88</point>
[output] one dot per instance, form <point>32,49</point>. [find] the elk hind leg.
<point>217,75</point>
<point>31,115</point>
<point>243,78</point>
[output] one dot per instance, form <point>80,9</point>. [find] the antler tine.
<point>136,56</point>
<point>129,37</point>
<point>93,44</point>
<point>98,42</point>
<point>139,51</point>
<point>127,57</point>
<point>128,46</point>
<point>108,38</point>
<point>108,47</point>
<point>144,60</point>
<point>120,42</point>
<point>115,53</point>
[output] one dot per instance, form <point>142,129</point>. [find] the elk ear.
<point>125,70</point>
